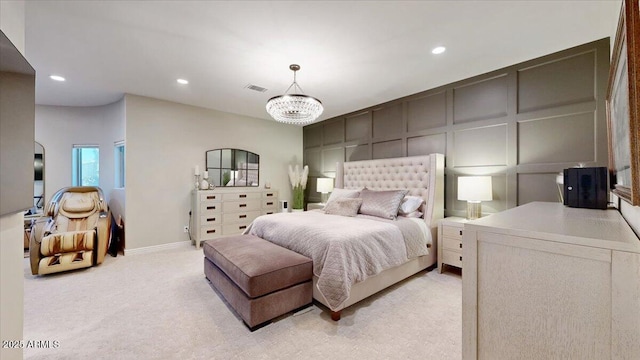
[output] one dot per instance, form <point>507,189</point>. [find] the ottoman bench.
<point>258,279</point>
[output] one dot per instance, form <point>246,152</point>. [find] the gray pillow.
<point>344,207</point>
<point>382,204</point>
<point>343,194</point>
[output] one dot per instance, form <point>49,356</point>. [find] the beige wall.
<point>12,23</point>
<point>58,128</point>
<point>165,141</point>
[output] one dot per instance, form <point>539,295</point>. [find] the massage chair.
<point>73,233</point>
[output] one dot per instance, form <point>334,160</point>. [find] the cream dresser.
<point>545,281</point>
<point>228,211</point>
<point>450,231</point>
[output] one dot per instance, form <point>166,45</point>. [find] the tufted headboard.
<point>422,175</point>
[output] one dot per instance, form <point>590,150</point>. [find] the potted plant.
<point>298,184</point>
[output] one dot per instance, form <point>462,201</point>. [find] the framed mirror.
<point>623,106</point>
<point>233,167</point>
<point>38,179</point>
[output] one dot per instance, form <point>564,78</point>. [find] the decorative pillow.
<point>343,194</point>
<point>414,214</point>
<point>344,207</point>
<point>410,204</point>
<point>382,204</point>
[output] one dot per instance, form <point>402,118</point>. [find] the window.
<point>118,156</point>
<point>85,165</point>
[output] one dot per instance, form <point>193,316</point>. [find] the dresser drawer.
<point>210,232</point>
<point>270,195</point>
<point>240,217</point>
<point>241,205</point>
<point>234,229</point>
<point>211,197</point>
<point>208,207</point>
<point>269,203</point>
<point>242,196</point>
<point>452,258</point>
<point>452,232</point>
<point>452,243</point>
<point>212,219</point>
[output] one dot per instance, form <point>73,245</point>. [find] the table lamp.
<point>474,189</point>
<point>324,186</point>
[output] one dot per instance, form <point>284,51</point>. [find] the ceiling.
<point>353,54</point>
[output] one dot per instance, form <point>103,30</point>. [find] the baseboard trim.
<point>156,248</point>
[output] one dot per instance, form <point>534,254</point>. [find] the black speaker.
<point>586,187</point>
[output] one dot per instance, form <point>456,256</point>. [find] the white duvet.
<point>344,250</point>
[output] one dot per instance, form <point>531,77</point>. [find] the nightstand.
<point>450,242</point>
<point>314,206</point>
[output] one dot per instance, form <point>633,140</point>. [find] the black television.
<point>38,167</point>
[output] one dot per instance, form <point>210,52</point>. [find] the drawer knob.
<point>243,196</point>
<point>460,232</point>
<point>269,203</point>
<point>210,231</point>
<point>460,245</point>
<point>460,258</point>
<point>211,197</point>
<point>245,226</point>
<point>242,216</point>
<point>242,205</point>
<point>211,219</point>
<point>269,194</point>
<point>211,207</point>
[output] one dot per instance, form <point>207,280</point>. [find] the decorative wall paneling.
<point>522,125</point>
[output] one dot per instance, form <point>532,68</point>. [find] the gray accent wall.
<point>522,125</point>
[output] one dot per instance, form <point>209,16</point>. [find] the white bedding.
<point>344,250</point>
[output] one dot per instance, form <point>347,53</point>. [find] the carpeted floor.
<point>160,306</point>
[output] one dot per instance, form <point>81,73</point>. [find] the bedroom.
<point>152,131</point>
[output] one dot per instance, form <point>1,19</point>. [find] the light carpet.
<point>160,306</point>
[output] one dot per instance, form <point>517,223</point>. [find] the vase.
<point>204,184</point>
<point>297,210</point>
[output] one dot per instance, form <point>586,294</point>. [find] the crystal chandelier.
<point>295,108</point>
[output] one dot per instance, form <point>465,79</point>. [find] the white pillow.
<point>414,214</point>
<point>343,194</point>
<point>410,204</point>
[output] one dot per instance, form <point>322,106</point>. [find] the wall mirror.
<point>233,167</point>
<point>623,99</point>
<point>38,179</point>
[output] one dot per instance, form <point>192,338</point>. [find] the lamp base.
<point>324,197</point>
<point>474,210</point>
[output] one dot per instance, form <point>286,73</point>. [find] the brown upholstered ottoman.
<point>259,279</point>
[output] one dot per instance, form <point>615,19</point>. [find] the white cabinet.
<point>223,212</point>
<point>450,242</point>
<point>315,206</point>
<point>545,281</point>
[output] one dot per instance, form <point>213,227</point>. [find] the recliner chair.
<point>74,232</point>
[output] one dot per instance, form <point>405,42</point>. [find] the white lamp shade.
<point>475,188</point>
<point>324,185</point>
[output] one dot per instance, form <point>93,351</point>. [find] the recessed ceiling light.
<point>57,78</point>
<point>438,50</point>
<point>182,81</point>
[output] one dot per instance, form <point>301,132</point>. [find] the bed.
<point>345,270</point>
